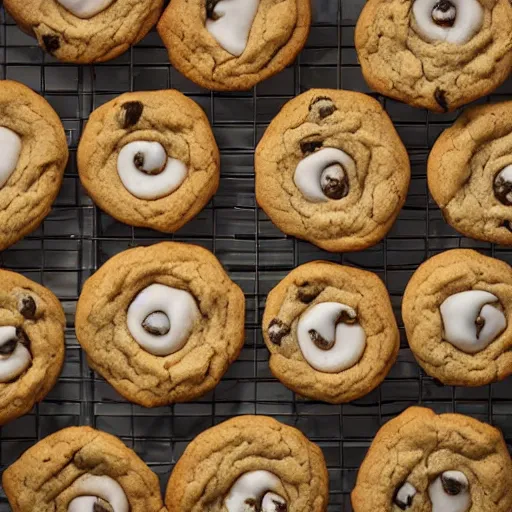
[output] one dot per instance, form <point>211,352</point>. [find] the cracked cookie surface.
<point>157,199</point>
<point>31,177</point>
<point>210,328</point>
<point>417,449</point>
<point>299,294</point>
<point>468,173</point>
<point>212,464</point>
<point>398,60</point>
<point>38,318</point>
<point>50,475</point>
<point>277,34</point>
<point>371,168</point>
<point>453,352</point>
<point>72,38</point>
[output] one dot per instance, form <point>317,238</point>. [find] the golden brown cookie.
<point>436,54</point>
<point>331,331</point>
<point>150,159</point>
<point>332,169</point>
<point>34,154</point>
<point>470,173</point>
<point>31,344</point>
<point>422,462</point>
<point>161,324</point>
<point>85,31</point>
<point>457,312</point>
<point>229,45</point>
<point>80,469</point>
<point>249,464</point>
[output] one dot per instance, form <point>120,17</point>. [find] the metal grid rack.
<point>77,237</point>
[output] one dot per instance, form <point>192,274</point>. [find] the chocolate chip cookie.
<point>457,311</point>
<point>150,159</point>
<point>331,169</point>
<point>161,324</point>
<point>31,344</point>
<point>249,464</point>
<point>34,154</point>
<point>80,469</point>
<point>420,461</point>
<point>470,173</point>
<point>85,31</point>
<point>331,331</point>
<point>436,54</point>
<point>229,45</point>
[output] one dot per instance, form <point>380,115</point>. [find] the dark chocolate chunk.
<point>210,7</point>
<point>334,182</point>
<point>320,341</point>
<point>310,146</point>
<point>132,112</point>
<point>325,106</point>
<point>277,330</point>
<point>28,307</point>
<point>440,97</point>
<point>452,486</point>
<point>51,43</point>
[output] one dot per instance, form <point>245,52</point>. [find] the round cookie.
<point>423,462</point>
<point>34,155</point>
<point>161,324</point>
<point>331,169</point>
<point>331,331</point>
<point>229,45</point>
<point>85,31</point>
<point>457,312</point>
<point>150,159</point>
<point>470,173</point>
<point>31,344</point>
<point>436,54</point>
<point>249,464</point>
<point>80,469</point>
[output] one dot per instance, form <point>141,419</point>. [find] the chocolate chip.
<point>132,112</point>
<point>280,507</point>
<point>440,97</point>
<point>444,13</point>
<point>479,323</point>
<point>277,330</point>
<point>138,160</point>
<point>210,8</point>
<point>452,486</point>
<point>334,182</point>
<point>157,323</point>
<point>310,146</point>
<point>404,495</point>
<point>320,341</point>
<point>251,502</point>
<point>345,318</point>
<point>101,506</point>
<point>8,347</point>
<point>506,224</point>
<point>324,106</point>
<point>27,307</point>
<point>51,43</point>
<point>502,189</point>
<point>22,337</point>
<point>308,293</point>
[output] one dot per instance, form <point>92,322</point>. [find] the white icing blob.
<point>460,312</point>
<point>308,174</point>
<point>10,149</point>
<point>91,487</point>
<point>85,9</point>
<point>444,502</point>
<point>405,495</point>
<point>14,364</point>
<point>349,339</point>
<point>468,21</point>
<point>143,184</point>
<point>233,24</point>
<point>252,485</point>
<point>180,308</point>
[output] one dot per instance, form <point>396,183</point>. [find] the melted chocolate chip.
<point>157,323</point>
<point>320,341</point>
<point>28,307</point>
<point>280,507</point>
<point>334,182</point>
<point>345,318</point>
<point>138,160</point>
<point>440,13</point>
<point>308,293</point>
<point>506,224</point>
<point>8,347</point>
<point>22,337</point>
<point>440,97</point>
<point>251,502</point>
<point>310,146</point>
<point>451,486</point>
<point>502,189</point>
<point>277,330</point>
<point>479,323</point>
<point>210,7</point>
<point>51,43</point>
<point>98,507</point>
<point>132,112</point>
<point>324,105</point>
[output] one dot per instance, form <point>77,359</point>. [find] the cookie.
<point>161,324</point>
<point>331,169</point>
<point>457,312</point>
<point>435,54</point>
<point>80,469</point>
<point>470,173</point>
<point>149,159</point>
<point>230,45</point>
<point>249,464</point>
<point>34,155</point>
<point>331,331</point>
<point>421,461</point>
<point>31,344</point>
<point>85,31</point>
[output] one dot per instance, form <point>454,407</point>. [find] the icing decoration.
<point>10,149</point>
<point>404,496</point>
<point>92,487</point>
<point>85,9</point>
<point>450,493</point>
<point>15,358</point>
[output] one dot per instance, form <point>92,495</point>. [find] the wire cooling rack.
<point>76,238</point>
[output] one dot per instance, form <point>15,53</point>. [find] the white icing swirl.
<point>259,486</point>
<point>180,308</point>
<point>85,9</point>
<point>14,364</point>
<point>308,174</point>
<point>469,17</point>
<point>157,175</point>
<point>232,26</point>
<point>450,497</point>
<point>91,487</point>
<point>348,339</point>
<point>462,312</point>
<point>10,149</point>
